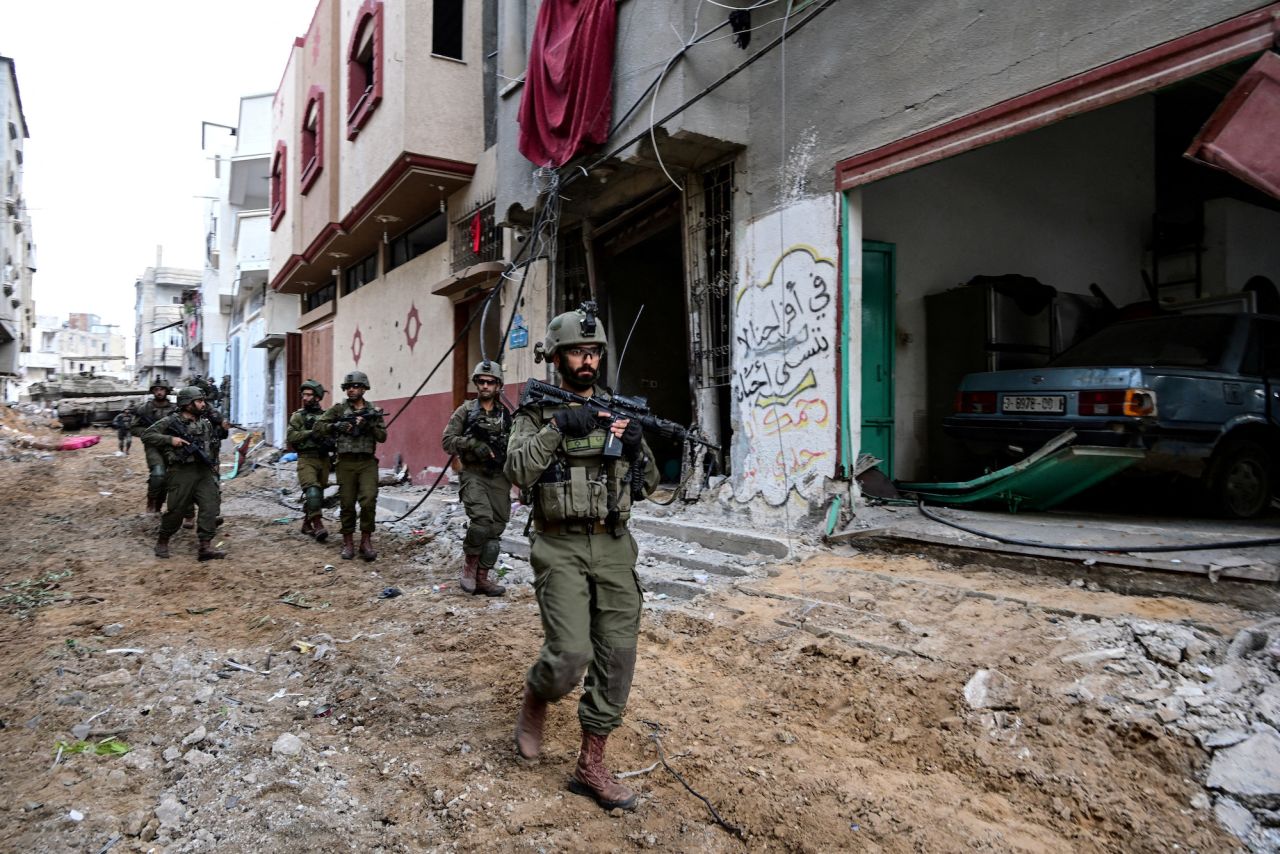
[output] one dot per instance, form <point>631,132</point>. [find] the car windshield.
<point>1183,341</point>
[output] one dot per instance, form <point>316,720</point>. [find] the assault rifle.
<point>537,393</point>
<point>369,415</point>
<point>192,448</point>
<point>497,448</point>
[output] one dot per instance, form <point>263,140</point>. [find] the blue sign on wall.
<point>519,333</point>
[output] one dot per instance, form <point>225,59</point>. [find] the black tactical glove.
<point>576,421</point>
<point>631,437</point>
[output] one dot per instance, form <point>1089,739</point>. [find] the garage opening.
<point>1007,255</point>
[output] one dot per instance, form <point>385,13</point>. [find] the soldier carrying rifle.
<point>314,456</point>
<point>357,427</point>
<point>477,434</point>
<point>186,440</point>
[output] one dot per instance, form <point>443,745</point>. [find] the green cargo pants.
<point>589,598</point>
<point>358,481</point>
<point>188,484</point>
<point>487,499</point>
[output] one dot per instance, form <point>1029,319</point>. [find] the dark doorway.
<point>641,264</point>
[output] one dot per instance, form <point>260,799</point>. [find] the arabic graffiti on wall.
<point>784,360</point>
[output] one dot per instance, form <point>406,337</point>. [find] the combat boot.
<point>468,580</point>
<point>533,714</point>
<point>348,546</point>
<point>592,779</point>
<point>162,546</point>
<point>307,527</point>
<point>208,552</point>
<point>366,546</point>
<point>318,529</point>
<point>485,586</point>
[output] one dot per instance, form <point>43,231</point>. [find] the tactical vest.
<point>149,412</point>
<point>581,484</point>
<point>313,445</point>
<point>493,428</point>
<point>349,443</point>
<point>198,432</point>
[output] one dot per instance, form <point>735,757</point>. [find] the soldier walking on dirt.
<point>583,556</point>
<point>314,453</point>
<point>186,440</point>
<point>477,434</point>
<point>148,413</point>
<point>122,422</point>
<point>356,428</point>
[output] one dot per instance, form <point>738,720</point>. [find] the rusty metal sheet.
<point>1241,137</point>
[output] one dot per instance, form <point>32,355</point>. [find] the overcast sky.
<point>114,94</point>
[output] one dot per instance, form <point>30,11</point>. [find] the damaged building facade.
<point>819,227</point>
<point>17,247</point>
<point>810,218</point>
<point>381,209</point>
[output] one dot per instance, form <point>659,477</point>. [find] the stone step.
<point>710,563</point>
<point>731,540</point>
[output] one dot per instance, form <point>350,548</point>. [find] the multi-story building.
<point>246,323</point>
<point>82,344</point>
<point>165,318</point>
<point>381,205</point>
<point>17,249</point>
<point>803,325</point>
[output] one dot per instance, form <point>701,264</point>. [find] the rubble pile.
<point>1223,693</point>
<point>26,432</point>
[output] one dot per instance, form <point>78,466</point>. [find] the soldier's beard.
<point>582,379</point>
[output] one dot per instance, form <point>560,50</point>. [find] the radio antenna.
<point>617,371</point>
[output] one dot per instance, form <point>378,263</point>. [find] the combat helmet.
<point>161,382</point>
<point>316,388</point>
<point>570,329</point>
<point>355,378</point>
<point>488,368</point>
<point>189,394</point>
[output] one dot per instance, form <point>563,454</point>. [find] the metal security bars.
<point>712,275</point>
<point>476,237</point>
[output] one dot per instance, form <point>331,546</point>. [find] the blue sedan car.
<point>1199,392</point>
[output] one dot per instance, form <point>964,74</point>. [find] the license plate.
<point>1042,403</point>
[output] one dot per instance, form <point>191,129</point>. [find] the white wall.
<point>1068,205</point>
<point>785,399</point>
<point>1241,240</point>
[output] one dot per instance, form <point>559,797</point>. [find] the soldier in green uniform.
<point>146,414</point>
<point>313,458</point>
<point>583,556</point>
<point>477,434</point>
<point>186,440</point>
<point>356,428</point>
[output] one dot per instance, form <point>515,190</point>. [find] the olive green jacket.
<point>302,435</point>
<point>198,431</point>
<point>536,446</point>
<point>149,412</point>
<point>365,441</point>
<point>460,434</point>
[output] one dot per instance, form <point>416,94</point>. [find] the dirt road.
<point>821,707</point>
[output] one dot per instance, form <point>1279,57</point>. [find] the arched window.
<point>364,67</point>
<point>312,139</point>
<point>279,187</point>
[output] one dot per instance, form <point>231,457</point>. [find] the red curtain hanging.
<point>568,98</point>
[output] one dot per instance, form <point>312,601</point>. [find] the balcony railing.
<point>476,237</point>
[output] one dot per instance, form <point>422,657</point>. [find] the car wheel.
<point>1241,479</point>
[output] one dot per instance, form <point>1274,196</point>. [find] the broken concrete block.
<point>1250,770</point>
<point>1161,649</point>
<point>991,689</point>
<point>114,679</point>
<point>1234,817</point>
<point>1267,706</point>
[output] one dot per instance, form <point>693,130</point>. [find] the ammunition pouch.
<point>578,497</point>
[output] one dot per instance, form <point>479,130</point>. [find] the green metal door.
<point>878,299</point>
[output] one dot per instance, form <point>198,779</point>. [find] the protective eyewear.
<point>585,352</point>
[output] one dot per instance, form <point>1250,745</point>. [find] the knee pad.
<point>157,472</point>
<point>313,499</point>
<point>489,553</point>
